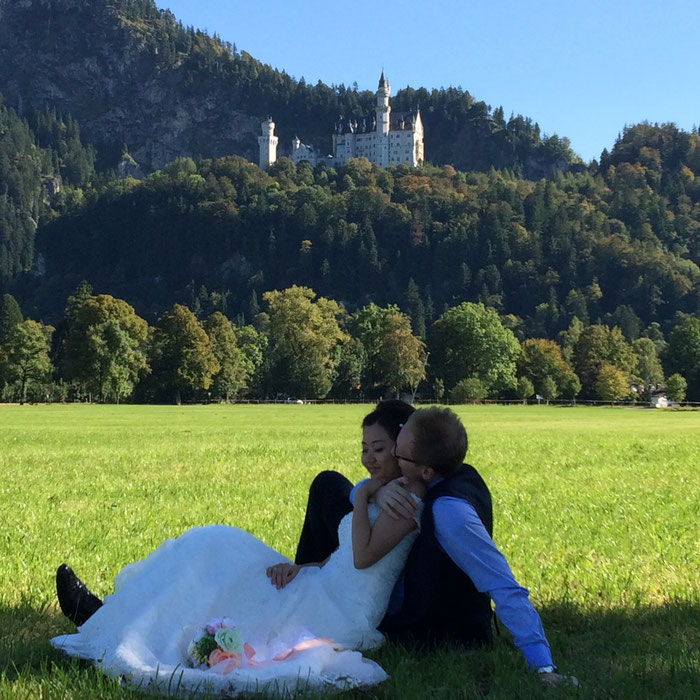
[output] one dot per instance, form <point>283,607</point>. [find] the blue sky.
<point>580,68</point>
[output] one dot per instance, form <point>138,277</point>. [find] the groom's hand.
<point>281,574</point>
<point>396,500</point>
<point>554,679</point>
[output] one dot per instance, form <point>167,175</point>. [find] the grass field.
<point>597,510</point>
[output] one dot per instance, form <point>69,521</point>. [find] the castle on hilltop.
<point>389,139</point>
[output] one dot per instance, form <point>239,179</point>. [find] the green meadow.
<point>597,510</point>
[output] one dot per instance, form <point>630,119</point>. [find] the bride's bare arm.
<point>370,544</point>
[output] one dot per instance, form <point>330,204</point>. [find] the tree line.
<point>301,345</point>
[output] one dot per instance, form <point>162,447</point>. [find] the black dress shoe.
<point>77,603</point>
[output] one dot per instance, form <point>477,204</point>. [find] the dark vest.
<point>440,601</point>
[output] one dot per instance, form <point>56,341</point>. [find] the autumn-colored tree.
<point>395,357</point>
<point>611,384</point>
<point>401,357</point>
<point>599,345</point>
<point>541,359</point>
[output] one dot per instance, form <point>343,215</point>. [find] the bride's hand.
<point>396,500</point>
<point>372,486</point>
<point>281,574</point>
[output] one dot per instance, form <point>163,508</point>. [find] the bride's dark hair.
<point>391,415</point>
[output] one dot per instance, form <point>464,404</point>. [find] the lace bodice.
<point>366,591</point>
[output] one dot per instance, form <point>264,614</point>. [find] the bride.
<point>301,624</point>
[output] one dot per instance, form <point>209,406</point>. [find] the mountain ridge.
<point>135,76</point>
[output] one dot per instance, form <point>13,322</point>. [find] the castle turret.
<point>268,143</point>
<point>418,139</point>
<point>383,108</point>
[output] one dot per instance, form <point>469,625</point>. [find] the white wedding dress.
<point>141,633</point>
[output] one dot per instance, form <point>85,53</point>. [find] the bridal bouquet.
<point>219,643</point>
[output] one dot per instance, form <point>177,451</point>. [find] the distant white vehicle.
<point>291,399</point>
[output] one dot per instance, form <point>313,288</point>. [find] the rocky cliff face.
<point>86,58</point>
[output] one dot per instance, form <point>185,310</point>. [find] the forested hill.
<point>132,75</point>
<point>621,244</point>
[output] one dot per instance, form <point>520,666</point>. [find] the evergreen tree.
<point>10,317</point>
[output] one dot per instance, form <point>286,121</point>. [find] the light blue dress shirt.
<point>460,532</point>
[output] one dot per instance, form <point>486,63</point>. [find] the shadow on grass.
<point>639,653</point>
<point>25,630</point>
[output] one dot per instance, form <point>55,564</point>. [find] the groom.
<point>454,569</point>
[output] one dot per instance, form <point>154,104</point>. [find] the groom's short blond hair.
<point>439,439</point>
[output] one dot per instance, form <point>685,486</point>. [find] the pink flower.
<point>219,655</point>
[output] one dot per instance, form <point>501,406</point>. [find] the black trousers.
<point>328,503</point>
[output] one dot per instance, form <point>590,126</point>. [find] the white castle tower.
<point>383,108</point>
<point>383,112</point>
<point>268,143</point>
<point>388,139</point>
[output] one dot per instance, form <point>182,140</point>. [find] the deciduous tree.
<point>304,335</point>
<point>541,359</point>
<point>232,375</point>
<point>469,389</point>
<point>182,356</point>
<point>649,369</point>
<point>549,389</point>
<point>395,357</point>
<point>611,384</point>
<point>103,345</point>
<point>524,389</point>
<point>27,355</point>
<point>599,345</point>
<point>469,341</point>
<point>676,387</point>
